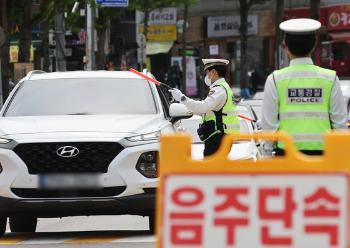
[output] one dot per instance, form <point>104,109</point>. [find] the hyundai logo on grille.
<point>67,151</point>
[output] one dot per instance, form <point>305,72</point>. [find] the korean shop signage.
<point>164,16</point>
<point>226,26</point>
<point>339,17</point>
<point>160,32</point>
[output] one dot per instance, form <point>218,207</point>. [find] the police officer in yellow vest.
<point>303,99</point>
<point>217,109</point>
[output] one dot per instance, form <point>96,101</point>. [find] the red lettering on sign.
<point>230,224</point>
<point>284,215</point>
<point>231,201</point>
<point>321,198</point>
<point>320,205</point>
<point>178,196</point>
<point>231,195</point>
<point>187,225</point>
<point>186,234</point>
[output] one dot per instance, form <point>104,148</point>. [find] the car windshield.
<point>85,96</point>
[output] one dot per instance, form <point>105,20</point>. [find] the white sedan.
<point>240,150</point>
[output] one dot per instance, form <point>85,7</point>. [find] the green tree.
<point>7,8</point>
<point>185,4</point>
<point>279,18</point>
<point>244,7</point>
<point>102,24</point>
<point>26,20</point>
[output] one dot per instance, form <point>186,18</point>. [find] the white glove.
<point>177,94</point>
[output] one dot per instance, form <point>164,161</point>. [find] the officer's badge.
<point>304,96</point>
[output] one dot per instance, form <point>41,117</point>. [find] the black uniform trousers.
<point>212,144</point>
<point>281,152</point>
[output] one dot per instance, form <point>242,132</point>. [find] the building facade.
<point>214,32</point>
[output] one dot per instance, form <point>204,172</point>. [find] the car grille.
<point>93,157</point>
<point>64,193</point>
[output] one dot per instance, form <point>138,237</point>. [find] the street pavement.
<point>95,231</point>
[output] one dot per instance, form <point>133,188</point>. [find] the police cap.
<point>211,62</point>
<point>300,26</point>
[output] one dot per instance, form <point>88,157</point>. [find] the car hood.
<point>119,124</point>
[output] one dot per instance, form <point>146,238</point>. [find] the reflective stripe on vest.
<point>230,122</point>
<point>304,97</point>
<point>308,137</point>
<point>303,74</point>
<point>300,115</point>
<point>232,126</point>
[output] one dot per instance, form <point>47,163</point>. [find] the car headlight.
<point>4,140</point>
<point>144,137</point>
<point>147,164</point>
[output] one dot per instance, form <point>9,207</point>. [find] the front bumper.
<point>141,204</point>
<point>121,173</point>
<point>136,198</point>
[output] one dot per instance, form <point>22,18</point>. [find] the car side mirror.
<point>178,111</point>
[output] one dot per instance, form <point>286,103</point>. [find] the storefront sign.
<point>113,3</point>
<point>160,32</point>
<point>214,49</point>
<point>164,16</point>
<point>191,77</point>
<point>339,17</point>
<point>225,26</point>
<point>305,13</point>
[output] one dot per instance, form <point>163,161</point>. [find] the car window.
<point>164,96</point>
<point>88,96</point>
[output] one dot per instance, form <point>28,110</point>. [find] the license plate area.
<point>70,181</point>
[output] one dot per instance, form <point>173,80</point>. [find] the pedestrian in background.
<point>303,99</point>
<point>217,109</point>
<point>110,66</point>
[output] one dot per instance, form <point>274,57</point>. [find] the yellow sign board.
<point>160,32</point>
<point>14,49</point>
<point>290,201</point>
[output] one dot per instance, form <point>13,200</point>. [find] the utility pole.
<point>60,38</point>
<point>90,46</point>
<point>279,19</point>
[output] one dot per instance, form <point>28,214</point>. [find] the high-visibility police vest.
<point>226,119</point>
<point>304,92</point>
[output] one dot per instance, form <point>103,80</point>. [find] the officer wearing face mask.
<point>217,109</point>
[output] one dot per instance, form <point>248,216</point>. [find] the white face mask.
<point>207,80</point>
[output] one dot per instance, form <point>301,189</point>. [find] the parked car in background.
<point>256,105</point>
<point>242,150</point>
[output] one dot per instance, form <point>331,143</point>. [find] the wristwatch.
<point>183,98</point>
